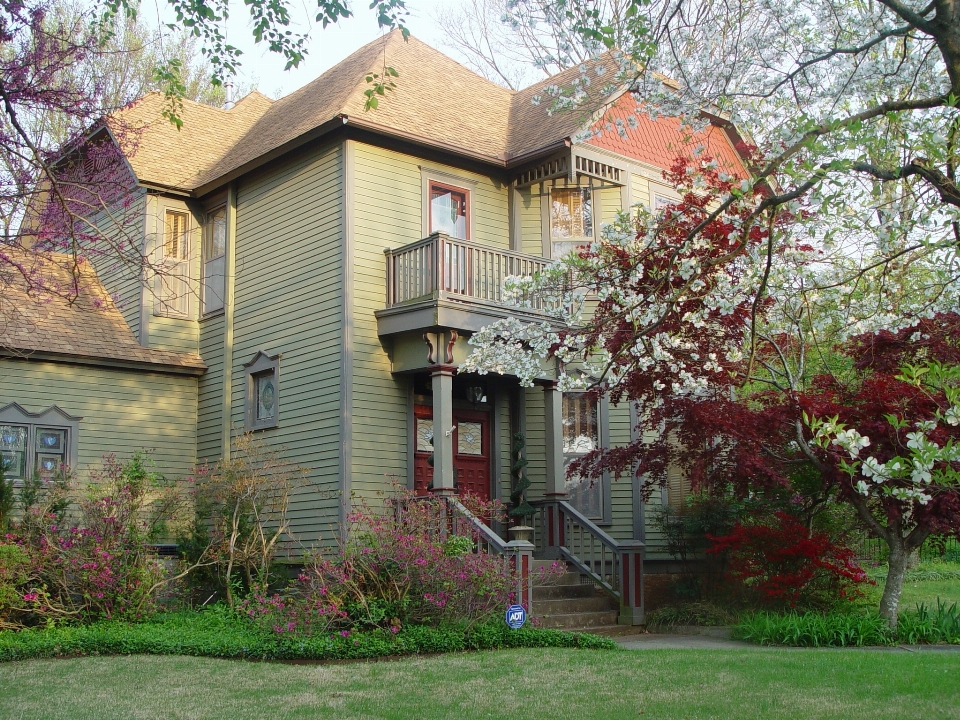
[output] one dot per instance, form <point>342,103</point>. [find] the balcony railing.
<point>441,267</point>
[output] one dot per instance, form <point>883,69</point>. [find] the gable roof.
<point>90,329</point>
<point>436,102</point>
<point>160,154</point>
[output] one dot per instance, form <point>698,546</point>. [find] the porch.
<point>461,428</point>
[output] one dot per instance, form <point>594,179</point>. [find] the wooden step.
<point>568,578</point>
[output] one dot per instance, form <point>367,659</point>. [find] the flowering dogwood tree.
<point>724,338</point>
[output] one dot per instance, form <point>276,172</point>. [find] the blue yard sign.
<point>516,617</point>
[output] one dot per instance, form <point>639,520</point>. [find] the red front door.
<point>471,451</point>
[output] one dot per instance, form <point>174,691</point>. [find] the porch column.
<point>553,426</point>
<point>442,381</point>
<point>630,559</point>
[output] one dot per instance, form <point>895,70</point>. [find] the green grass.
<point>921,591</point>
<point>531,683</point>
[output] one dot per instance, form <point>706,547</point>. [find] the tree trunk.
<point>897,563</point>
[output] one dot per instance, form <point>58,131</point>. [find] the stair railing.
<point>561,531</point>
<point>453,518</point>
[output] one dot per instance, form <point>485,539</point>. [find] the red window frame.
<point>453,189</point>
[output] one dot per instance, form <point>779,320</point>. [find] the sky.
<point>327,46</point>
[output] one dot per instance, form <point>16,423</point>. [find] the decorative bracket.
<point>431,350</point>
<point>453,341</point>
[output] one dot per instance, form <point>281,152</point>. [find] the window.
<point>263,391</point>
<point>449,208</point>
<point>581,434</point>
<point>36,442</point>
<point>571,219</point>
<point>174,274</point>
<point>214,256</point>
<point>661,201</point>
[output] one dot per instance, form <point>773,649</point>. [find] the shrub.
<point>697,613</point>
<point>923,626</point>
<point>218,632</point>
<point>812,629</point>
<point>396,569</point>
<point>88,551</point>
<point>780,563</point>
<point>241,505</point>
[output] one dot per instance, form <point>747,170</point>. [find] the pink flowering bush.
<point>404,563</point>
<point>84,555</point>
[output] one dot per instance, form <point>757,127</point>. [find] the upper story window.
<point>173,292</point>
<point>571,219</point>
<point>661,201</point>
<point>581,435</point>
<point>214,257</point>
<point>449,210</point>
<point>36,443</point>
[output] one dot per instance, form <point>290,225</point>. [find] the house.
<point>326,266</point>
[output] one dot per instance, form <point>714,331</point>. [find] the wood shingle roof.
<point>72,317</point>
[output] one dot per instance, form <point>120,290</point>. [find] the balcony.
<point>442,282</point>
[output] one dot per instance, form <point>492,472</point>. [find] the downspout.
<point>226,406</point>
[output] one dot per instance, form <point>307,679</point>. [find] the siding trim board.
<point>346,345</point>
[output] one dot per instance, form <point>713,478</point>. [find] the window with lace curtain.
<point>571,219</point>
<point>449,210</point>
<point>214,256</point>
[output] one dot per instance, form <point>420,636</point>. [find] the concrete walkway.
<point>718,638</point>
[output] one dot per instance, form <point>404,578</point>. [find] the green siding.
<point>388,213</point>
<point>531,222</point>
<point>123,225</point>
<point>621,492</point>
<point>210,392</point>
<point>288,300</point>
<point>123,410</point>
<point>168,332</point>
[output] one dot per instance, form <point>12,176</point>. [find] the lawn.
<point>534,683</point>
<point>924,591</point>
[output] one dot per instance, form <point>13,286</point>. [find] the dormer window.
<point>449,208</point>
<point>571,219</point>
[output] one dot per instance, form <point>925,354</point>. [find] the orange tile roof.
<point>88,328</point>
<point>659,142</point>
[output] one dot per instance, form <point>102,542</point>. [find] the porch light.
<point>475,394</point>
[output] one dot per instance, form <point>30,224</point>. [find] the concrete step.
<point>569,578</point>
<point>565,621</point>
<point>559,592</point>
<point>610,630</point>
<point>564,606</point>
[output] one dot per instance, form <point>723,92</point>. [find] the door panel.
<point>471,445</point>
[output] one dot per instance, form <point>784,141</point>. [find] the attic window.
<point>449,207</point>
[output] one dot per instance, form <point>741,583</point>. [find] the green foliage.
<point>924,626</point>
<point>518,494</point>
<point>457,545</point>
<point>218,632</point>
<point>814,629</point>
<point>696,613</point>
<point>852,629</point>
<point>14,575</point>
<point>7,496</point>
